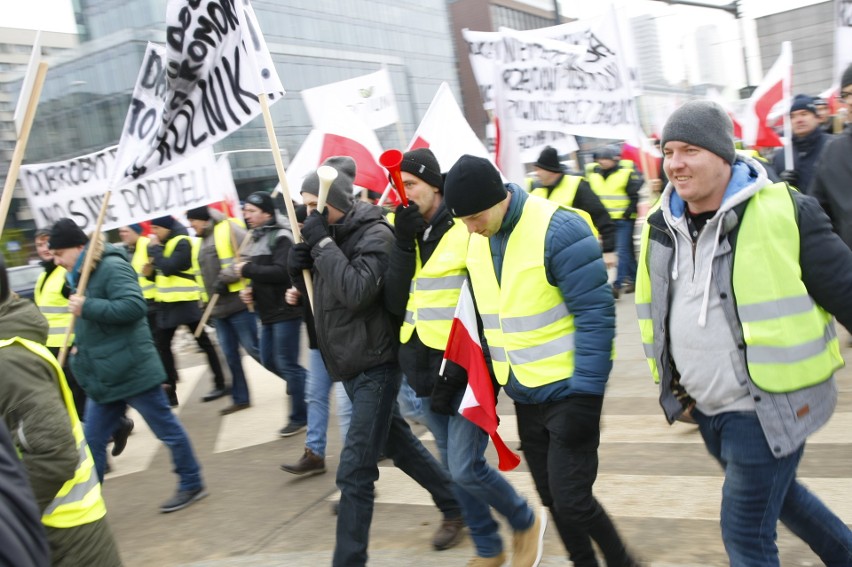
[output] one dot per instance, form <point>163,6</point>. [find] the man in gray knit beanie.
<point>730,302</point>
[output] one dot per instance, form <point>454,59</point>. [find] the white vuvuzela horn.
<point>327,175</point>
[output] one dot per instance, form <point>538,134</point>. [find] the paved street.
<point>657,482</point>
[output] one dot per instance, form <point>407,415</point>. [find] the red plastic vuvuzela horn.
<point>391,160</point>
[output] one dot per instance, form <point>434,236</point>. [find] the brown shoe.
<point>495,561</point>
<point>528,544</point>
<point>309,464</point>
<point>449,534</point>
<point>234,408</point>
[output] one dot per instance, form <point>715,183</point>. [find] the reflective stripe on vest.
<point>612,191</point>
<point>53,305</point>
<point>171,289</point>
<point>79,500</point>
<point>526,322</point>
<point>562,194</point>
<point>790,340</point>
<point>138,261</point>
<point>434,291</point>
<point>225,250</point>
<point>643,299</point>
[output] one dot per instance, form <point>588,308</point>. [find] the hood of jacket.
<point>360,214</point>
<point>101,251</point>
<point>20,317</point>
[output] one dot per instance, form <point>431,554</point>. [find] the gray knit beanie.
<point>704,124</point>
<point>341,192</point>
<point>846,79</point>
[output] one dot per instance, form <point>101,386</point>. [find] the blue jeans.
<point>624,251</point>
<point>153,405</point>
<point>237,329</point>
<point>317,397</point>
<point>279,353</point>
<point>760,489</point>
<point>343,409</point>
<point>376,424</point>
<point>478,487</point>
<point>410,406</point>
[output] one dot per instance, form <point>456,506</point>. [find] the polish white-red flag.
<point>770,92</point>
<point>479,405</point>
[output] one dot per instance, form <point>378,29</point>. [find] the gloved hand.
<point>791,176</point>
<point>299,259</point>
<point>221,288</point>
<point>407,224</point>
<point>446,387</point>
<point>315,228</point>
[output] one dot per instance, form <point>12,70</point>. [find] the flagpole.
<point>21,145</point>
<point>786,92</point>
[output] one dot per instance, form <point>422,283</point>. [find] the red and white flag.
<point>478,404</point>
<point>773,90</point>
<point>346,135</point>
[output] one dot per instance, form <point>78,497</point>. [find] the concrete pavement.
<point>657,482</point>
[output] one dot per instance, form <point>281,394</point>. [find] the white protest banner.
<point>445,131</point>
<point>75,189</point>
<point>197,90</point>
<point>370,97</point>
<point>345,135</point>
<point>27,85</point>
<point>842,37</point>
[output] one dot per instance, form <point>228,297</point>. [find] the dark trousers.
<point>76,391</point>
<point>163,340</point>
<point>560,442</point>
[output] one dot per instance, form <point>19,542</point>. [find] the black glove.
<point>221,288</point>
<point>315,228</point>
<point>299,259</point>
<point>446,387</point>
<point>408,222</point>
<point>791,176</point>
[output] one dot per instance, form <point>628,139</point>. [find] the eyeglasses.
<point>846,96</point>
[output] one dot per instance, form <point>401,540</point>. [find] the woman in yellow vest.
<point>36,405</point>
<point>179,297</point>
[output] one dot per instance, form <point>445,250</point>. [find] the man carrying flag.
<point>549,317</point>
<point>425,276</point>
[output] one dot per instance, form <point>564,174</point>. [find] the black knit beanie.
<point>472,185</point>
<point>340,193</point>
<point>846,79</point>
<point>165,222</point>
<point>199,213</point>
<point>422,163</point>
<point>263,201</point>
<point>803,102</point>
<point>66,234</point>
<point>704,124</point>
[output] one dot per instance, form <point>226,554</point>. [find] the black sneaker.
<point>182,499</point>
<point>119,437</point>
<point>291,429</point>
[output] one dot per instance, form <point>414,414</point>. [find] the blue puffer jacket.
<point>574,264</point>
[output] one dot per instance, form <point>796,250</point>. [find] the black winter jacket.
<point>267,268</point>
<point>355,331</point>
<point>806,152</point>
<point>831,184</point>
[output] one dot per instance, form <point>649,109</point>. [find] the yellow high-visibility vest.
<point>563,193</point>
<point>138,261</point>
<point>225,250</point>
<point>434,291</point>
<point>526,322</point>
<point>790,341</point>
<point>182,286</point>
<point>53,305</point>
<point>79,501</point>
<point>612,191</point>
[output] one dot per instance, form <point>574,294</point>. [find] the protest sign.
<point>75,188</point>
<point>197,90</point>
<point>370,97</point>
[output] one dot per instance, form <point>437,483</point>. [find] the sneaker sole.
<point>194,499</point>
<point>290,434</point>
<point>303,473</point>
